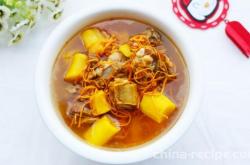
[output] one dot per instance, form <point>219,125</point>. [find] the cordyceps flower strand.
<point>17,17</point>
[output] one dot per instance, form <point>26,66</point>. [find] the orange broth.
<point>141,129</point>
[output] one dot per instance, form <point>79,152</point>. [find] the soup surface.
<point>132,125</point>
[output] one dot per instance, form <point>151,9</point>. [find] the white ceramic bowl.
<point>54,120</point>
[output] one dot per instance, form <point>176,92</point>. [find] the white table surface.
<point>220,134</point>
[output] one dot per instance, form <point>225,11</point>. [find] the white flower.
<point>3,26</point>
<point>17,37</point>
<point>56,14</point>
<point>13,12</point>
<point>32,22</point>
<point>39,7</point>
<point>17,20</point>
<point>56,3</point>
<point>4,12</point>
<point>32,2</point>
<point>19,25</point>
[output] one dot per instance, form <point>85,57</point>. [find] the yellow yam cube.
<point>92,36</point>
<point>125,50</point>
<point>101,131</point>
<point>96,48</point>
<point>93,40</point>
<point>76,68</point>
<point>99,104</point>
<point>157,106</point>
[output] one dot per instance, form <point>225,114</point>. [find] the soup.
<point>120,83</point>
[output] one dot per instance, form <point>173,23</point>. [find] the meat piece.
<point>117,60</point>
<point>147,59</point>
<point>140,52</point>
<point>72,89</point>
<point>116,57</point>
<point>125,93</point>
<point>76,108</point>
<point>143,59</point>
<point>103,70</point>
<point>107,73</point>
<point>153,36</point>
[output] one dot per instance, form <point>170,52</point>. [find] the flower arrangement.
<point>17,17</point>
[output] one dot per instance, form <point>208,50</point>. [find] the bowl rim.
<point>47,109</point>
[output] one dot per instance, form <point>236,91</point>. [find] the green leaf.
<point>20,4</point>
<point>1,2</point>
<point>9,2</point>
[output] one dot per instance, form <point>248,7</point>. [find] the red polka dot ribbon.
<point>205,14</point>
<point>201,14</point>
